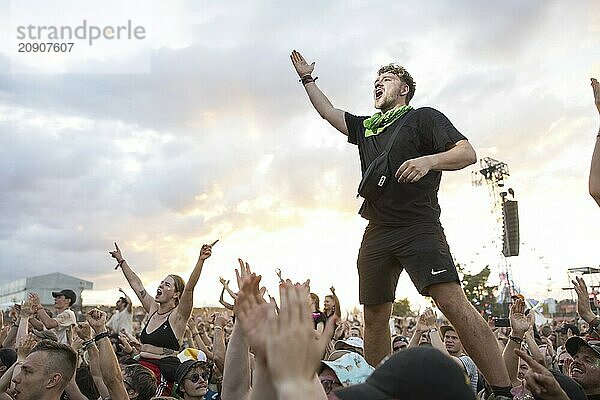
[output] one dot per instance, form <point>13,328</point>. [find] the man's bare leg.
<point>378,343</point>
<point>474,332</point>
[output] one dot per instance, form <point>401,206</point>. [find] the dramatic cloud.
<point>220,141</point>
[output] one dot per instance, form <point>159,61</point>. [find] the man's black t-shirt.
<point>426,131</point>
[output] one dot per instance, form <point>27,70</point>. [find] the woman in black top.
<point>169,312</point>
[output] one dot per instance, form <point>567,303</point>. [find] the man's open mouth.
<point>378,93</point>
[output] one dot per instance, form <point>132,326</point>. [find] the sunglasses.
<point>195,377</point>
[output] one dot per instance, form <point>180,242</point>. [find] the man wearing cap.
<point>417,373</point>
<point>192,379</point>
<point>354,344</point>
<point>65,318</point>
<point>399,342</point>
<point>347,370</point>
<point>585,368</point>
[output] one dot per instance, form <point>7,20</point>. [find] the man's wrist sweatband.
<point>101,336</point>
<point>307,79</point>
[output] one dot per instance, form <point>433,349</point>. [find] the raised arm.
<point>583,303</point>
<point>134,281</point>
<point>186,302</point>
<point>519,324</point>
<point>84,331</point>
<point>236,374</point>
<point>594,182</point>
<point>111,372</point>
<point>129,305</point>
<point>338,309</point>
<point>319,101</point>
<point>219,341</point>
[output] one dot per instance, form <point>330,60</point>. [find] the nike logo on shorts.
<point>433,272</point>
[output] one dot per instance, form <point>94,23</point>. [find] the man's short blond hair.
<point>404,76</point>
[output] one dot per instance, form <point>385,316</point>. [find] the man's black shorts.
<point>385,251</point>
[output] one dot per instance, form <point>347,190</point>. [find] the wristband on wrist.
<point>101,336</point>
<point>594,323</point>
<point>218,327</point>
<point>87,343</point>
<point>307,79</point>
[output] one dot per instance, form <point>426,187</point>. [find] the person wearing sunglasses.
<point>192,379</point>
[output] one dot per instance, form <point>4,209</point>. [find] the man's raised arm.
<point>319,101</point>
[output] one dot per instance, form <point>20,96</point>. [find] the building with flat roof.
<point>16,291</point>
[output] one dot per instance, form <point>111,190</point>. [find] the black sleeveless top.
<point>163,336</point>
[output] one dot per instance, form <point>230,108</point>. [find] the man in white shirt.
<point>64,321</point>
<point>122,318</point>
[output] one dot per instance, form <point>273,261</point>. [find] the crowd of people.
<point>286,349</point>
<point>261,348</point>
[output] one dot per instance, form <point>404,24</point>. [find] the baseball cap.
<point>408,375</point>
<point>574,343</point>
<point>351,369</point>
<point>68,293</point>
<point>191,354</point>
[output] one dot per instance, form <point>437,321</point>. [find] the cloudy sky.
<point>202,131</point>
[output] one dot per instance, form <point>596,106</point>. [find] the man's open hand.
<point>302,67</point>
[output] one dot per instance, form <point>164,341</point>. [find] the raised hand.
<point>97,320</point>
<point>253,313</point>
<point>596,89</point>
<point>206,250</point>
<point>34,300</point>
<point>332,289</point>
<point>302,67</point>
<point>429,318</point>
<point>224,282</point>
<point>583,300</point>
<point>84,330</point>
<point>243,273</point>
<point>519,323</point>
<point>24,346</point>
<point>28,308</point>
<point>540,381</point>
<point>292,333</point>
<point>220,319</point>
<point>116,254</point>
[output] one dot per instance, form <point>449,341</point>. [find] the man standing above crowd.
<point>404,231</point>
<point>122,319</point>
<point>65,318</point>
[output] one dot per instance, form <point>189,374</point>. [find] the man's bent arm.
<point>459,156</point>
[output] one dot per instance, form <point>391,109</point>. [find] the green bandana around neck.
<point>379,122</point>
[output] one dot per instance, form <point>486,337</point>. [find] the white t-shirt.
<point>121,320</point>
<point>66,321</point>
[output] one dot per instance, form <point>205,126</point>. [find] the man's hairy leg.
<point>378,343</point>
<point>474,332</point>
